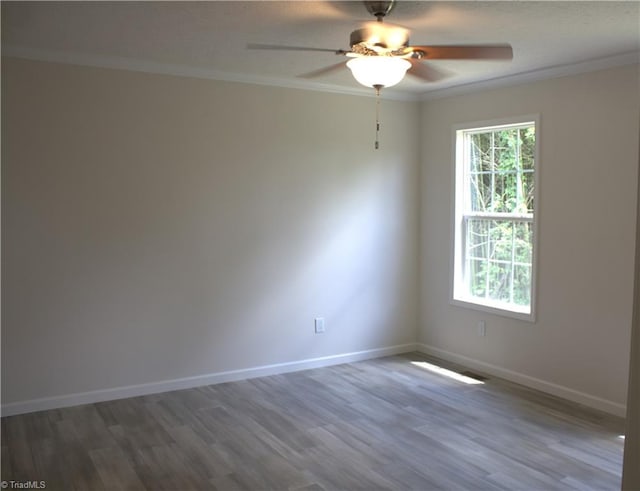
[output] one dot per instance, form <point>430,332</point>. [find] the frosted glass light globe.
<point>385,71</point>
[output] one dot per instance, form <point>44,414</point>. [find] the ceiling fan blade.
<point>463,52</point>
<point>323,71</point>
<point>426,72</point>
<point>278,47</point>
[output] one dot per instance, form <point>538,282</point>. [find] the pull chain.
<point>377,87</point>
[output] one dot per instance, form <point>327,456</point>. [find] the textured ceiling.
<point>211,37</point>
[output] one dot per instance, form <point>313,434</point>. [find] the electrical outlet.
<point>482,328</point>
<point>319,324</point>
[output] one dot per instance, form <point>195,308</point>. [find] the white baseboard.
<point>528,381</point>
<point>91,397</point>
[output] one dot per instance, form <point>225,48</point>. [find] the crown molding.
<point>131,64</point>
<point>136,65</point>
<point>558,71</point>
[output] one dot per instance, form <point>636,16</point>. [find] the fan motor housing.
<point>378,38</point>
<point>380,9</point>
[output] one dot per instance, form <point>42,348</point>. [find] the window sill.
<point>495,308</point>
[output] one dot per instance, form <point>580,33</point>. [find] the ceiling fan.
<point>381,54</point>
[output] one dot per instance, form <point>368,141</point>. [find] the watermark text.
<point>23,484</point>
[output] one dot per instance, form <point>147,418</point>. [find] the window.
<point>494,231</point>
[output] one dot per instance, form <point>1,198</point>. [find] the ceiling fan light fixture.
<point>381,71</point>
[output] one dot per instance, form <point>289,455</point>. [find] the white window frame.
<point>457,260</point>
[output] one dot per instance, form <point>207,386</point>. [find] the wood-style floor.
<point>378,424</point>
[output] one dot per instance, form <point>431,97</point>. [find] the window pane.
<point>498,258</point>
<point>508,198</point>
<point>477,254</point>
<point>528,185</point>
<point>480,192</point>
<point>498,193</point>
<point>522,285</point>
<point>523,245</point>
<point>499,281</point>
<point>505,152</point>
<point>501,170</point>
<point>477,239</point>
<point>477,273</point>
<point>527,147</point>
<point>501,235</point>
<point>480,154</point>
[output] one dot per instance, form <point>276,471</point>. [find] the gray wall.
<point>588,165</point>
<point>159,227</point>
<point>631,472</point>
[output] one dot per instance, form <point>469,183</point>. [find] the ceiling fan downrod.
<point>380,9</point>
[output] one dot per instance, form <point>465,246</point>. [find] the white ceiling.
<point>210,38</point>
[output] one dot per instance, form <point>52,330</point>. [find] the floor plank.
<point>378,424</point>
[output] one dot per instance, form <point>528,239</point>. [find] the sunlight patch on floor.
<point>447,373</point>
